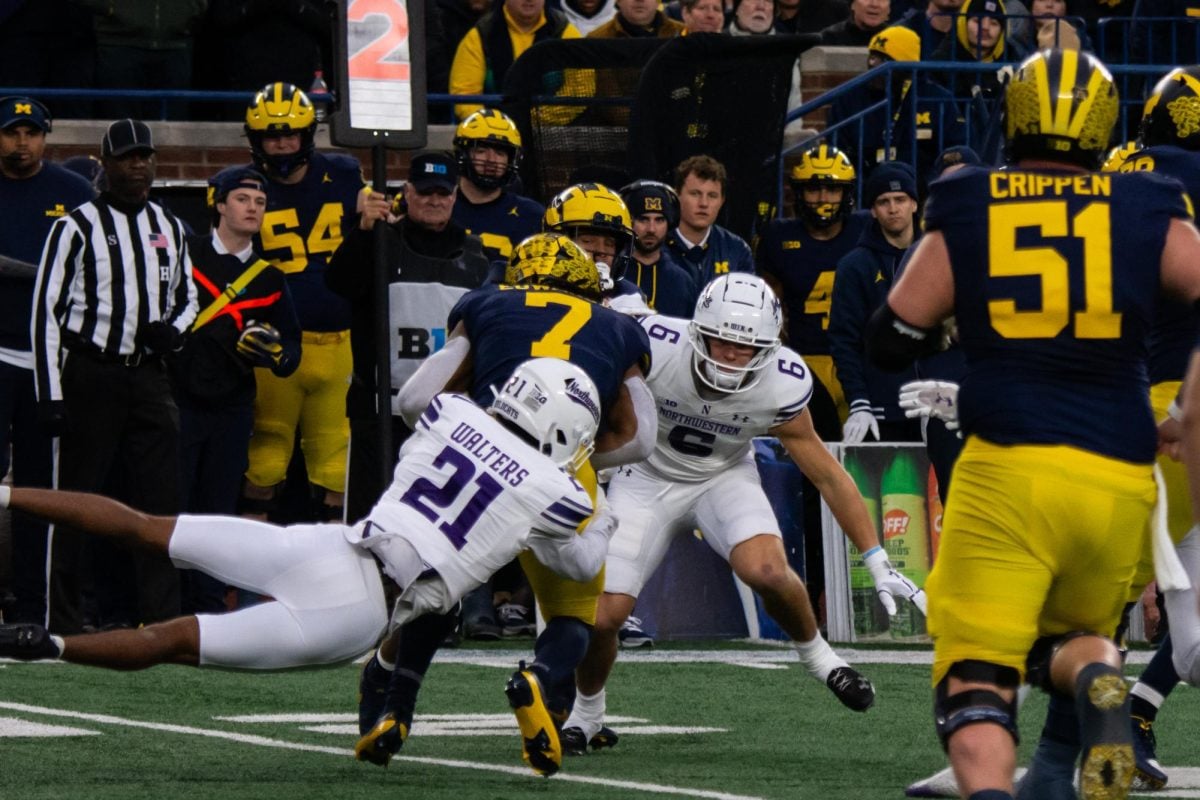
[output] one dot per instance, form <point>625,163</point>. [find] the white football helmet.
<point>557,405</point>
<point>741,308</point>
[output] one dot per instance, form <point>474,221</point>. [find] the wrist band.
<point>871,552</point>
<point>1174,411</point>
<point>5,496</point>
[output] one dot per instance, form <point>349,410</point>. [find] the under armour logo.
<point>740,417</point>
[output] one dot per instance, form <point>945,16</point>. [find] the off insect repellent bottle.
<point>906,532</point>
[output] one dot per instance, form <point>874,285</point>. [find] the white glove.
<point>858,425</point>
<point>890,584</point>
<point>938,399</point>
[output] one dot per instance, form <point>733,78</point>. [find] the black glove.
<point>52,417</point>
<point>159,337</point>
<point>259,344</point>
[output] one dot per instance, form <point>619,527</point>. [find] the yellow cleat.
<point>383,741</point>
<point>540,746</point>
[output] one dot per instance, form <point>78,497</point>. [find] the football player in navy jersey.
<point>548,306</point>
<point>1171,146</point>
<point>1051,502</point>
<point>799,258</point>
<point>309,195</point>
<point>487,145</point>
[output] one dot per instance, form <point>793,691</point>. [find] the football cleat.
<point>515,620</point>
<point>1148,774</point>
<point>372,694</point>
<point>632,634</point>
<point>383,741</point>
<point>27,642</point>
<point>541,748</point>
<point>1106,770</point>
<point>574,743</point>
<point>853,690</point>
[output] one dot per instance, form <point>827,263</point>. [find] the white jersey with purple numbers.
<point>467,492</point>
<point>699,436</point>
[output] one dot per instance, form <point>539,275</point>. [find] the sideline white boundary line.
<point>263,741</point>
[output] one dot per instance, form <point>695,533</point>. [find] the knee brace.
<point>953,712</point>
<point>1037,663</point>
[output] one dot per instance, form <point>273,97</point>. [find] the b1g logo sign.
<point>419,343</point>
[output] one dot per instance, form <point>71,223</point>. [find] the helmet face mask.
<point>1172,111</point>
<point>553,261</point>
<point>741,309</point>
<point>592,209</point>
<point>823,166</point>
<point>279,110</point>
<point>556,405</point>
<point>1077,92</point>
<point>477,137</point>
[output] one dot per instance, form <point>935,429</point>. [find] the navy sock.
<point>557,653</point>
<point>419,642</point>
<point>991,794</point>
<point>1160,675</point>
<point>1051,773</point>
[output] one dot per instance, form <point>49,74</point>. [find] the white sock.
<point>1151,696</point>
<point>59,643</point>
<point>390,666</point>
<point>818,657</point>
<point>587,714</point>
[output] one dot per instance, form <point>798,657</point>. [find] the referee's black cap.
<point>126,136</point>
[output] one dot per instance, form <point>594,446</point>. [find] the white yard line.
<point>263,741</point>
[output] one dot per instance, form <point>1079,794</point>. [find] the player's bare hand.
<point>1170,431</point>
<point>1151,616</point>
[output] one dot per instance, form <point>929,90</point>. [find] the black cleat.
<point>383,741</point>
<point>27,642</point>
<point>372,694</point>
<point>574,744</point>
<point>1148,774</point>
<point>1107,768</point>
<point>540,745</point>
<point>852,689</point>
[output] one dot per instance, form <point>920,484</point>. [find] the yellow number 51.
<point>1097,320</point>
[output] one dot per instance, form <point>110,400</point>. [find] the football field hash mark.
<point>264,741</point>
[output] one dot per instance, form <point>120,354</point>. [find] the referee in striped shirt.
<point>114,294</point>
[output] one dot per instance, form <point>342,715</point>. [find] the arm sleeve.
<point>430,378</point>
<point>51,298</point>
<point>847,322</point>
<point>577,557</point>
<point>641,445</point>
<point>185,305</point>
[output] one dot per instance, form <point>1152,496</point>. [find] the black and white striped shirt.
<point>104,274</point>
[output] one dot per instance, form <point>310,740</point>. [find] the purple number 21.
<point>443,496</point>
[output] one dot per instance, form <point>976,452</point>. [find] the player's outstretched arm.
<point>837,488</point>
<point>91,513</point>
<point>445,369</point>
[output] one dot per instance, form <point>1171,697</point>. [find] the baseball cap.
<point>19,109</point>
<point>890,176</point>
<point>434,170</point>
<point>232,178</point>
<point>125,136</point>
<point>897,43</point>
